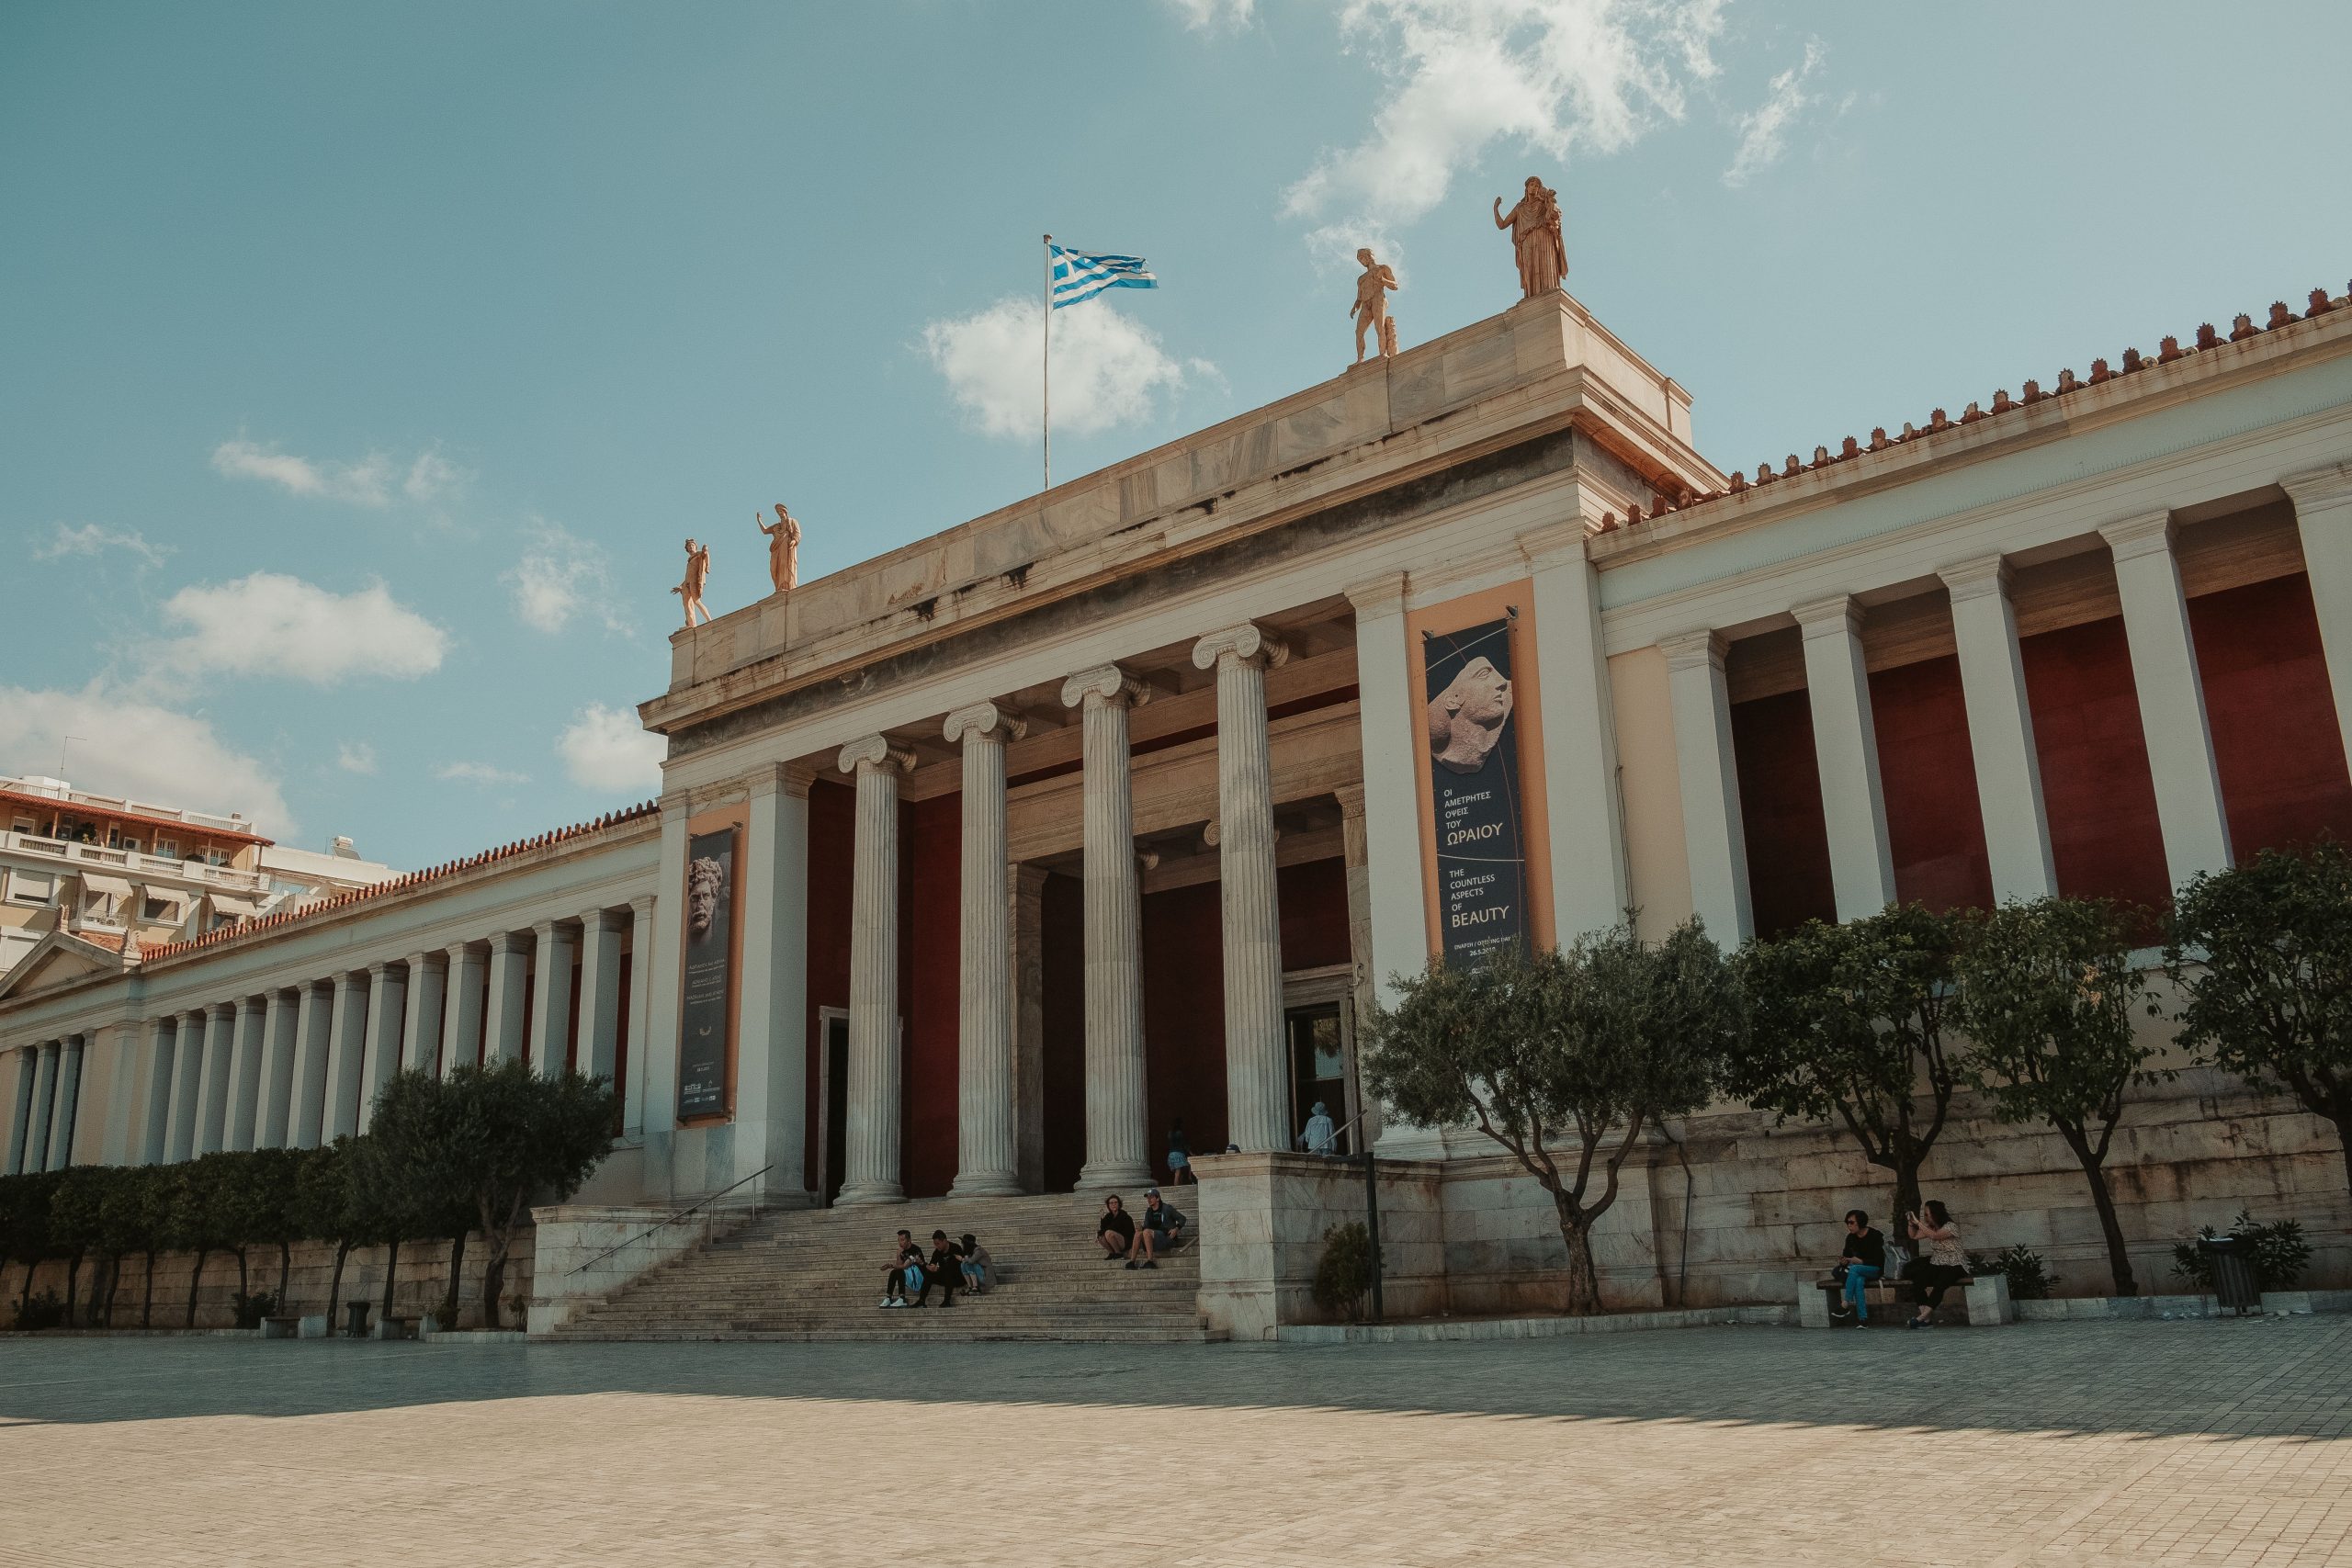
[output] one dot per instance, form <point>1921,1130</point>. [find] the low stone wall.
<point>1262,1221</point>
<point>585,1252</point>
<point>417,1287</point>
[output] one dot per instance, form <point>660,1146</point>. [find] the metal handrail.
<point>673,1219</point>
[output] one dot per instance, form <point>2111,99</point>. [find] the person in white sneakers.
<point>893,1283</point>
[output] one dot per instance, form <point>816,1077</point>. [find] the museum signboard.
<point>1474,801</point>
<point>705,1014</point>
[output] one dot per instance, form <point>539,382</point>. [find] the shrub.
<point>1343,1275</point>
<point>2029,1280</point>
<point>2279,1253</point>
<point>46,1310</point>
<point>252,1309</point>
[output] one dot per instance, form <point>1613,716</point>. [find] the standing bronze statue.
<point>698,573</point>
<point>1371,308</point>
<point>1535,226</point>
<point>784,548</point>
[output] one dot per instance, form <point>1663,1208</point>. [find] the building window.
<point>168,848</point>
<point>151,911</point>
<point>30,886</point>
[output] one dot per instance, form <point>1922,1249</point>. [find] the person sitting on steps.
<point>1116,1230</point>
<point>1162,1230</point>
<point>1941,1264</point>
<point>894,1282</point>
<point>979,1267</point>
<point>1863,1261</point>
<point>943,1268</point>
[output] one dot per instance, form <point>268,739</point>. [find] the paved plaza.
<point>2078,1443</point>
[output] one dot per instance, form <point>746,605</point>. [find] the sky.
<point>362,367</point>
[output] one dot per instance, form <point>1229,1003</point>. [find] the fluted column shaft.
<point>1117,1140</point>
<point>552,998</point>
<point>69,1102</point>
<point>871,1172</point>
<point>985,1158</point>
<point>346,1049</point>
<point>380,1057</point>
<point>1257,1086</point>
<point>429,985</point>
<point>24,1068</point>
<point>1714,835</point>
<point>219,1057</point>
<point>641,1014</point>
<point>2187,781</point>
<point>509,991</point>
<point>313,1029</point>
<point>187,1075</point>
<point>44,1105</point>
<point>600,991</point>
<point>1845,744</point>
<point>461,1008</point>
<point>151,1134</point>
<point>281,1023</point>
<point>244,1073</point>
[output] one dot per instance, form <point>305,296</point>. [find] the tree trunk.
<point>493,1278</point>
<point>72,1280</point>
<point>147,1303</point>
<point>2118,1261</point>
<point>457,1265</point>
<point>2344,1142</point>
<point>244,1281</point>
<point>114,1284</point>
<point>391,1269</point>
<point>285,1270</point>
<point>194,1280</point>
<point>1584,1279</point>
<point>1907,1188</point>
<point>335,1282</point>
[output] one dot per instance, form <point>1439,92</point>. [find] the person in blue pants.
<point>1863,1261</point>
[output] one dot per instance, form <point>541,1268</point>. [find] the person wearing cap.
<point>1319,1136</point>
<point>1157,1229</point>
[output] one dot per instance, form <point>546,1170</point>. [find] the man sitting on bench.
<point>1157,1229</point>
<point>1863,1261</point>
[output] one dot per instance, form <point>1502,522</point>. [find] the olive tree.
<point>2046,996</point>
<point>1845,1024</point>
<point>1564,1058</point>
<point>2262,954</point>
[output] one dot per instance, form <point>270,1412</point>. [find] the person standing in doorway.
<point>1179,1154</point>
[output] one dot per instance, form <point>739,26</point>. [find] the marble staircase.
<point>816,1274</point>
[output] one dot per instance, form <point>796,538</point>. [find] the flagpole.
<point>1046,356</point>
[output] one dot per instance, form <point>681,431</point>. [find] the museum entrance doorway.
<point>1319,1028</point>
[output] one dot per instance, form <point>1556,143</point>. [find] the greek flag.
<point>1077,275</point>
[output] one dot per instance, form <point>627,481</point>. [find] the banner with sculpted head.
<point>709,974</point>
<point>1474,792</point>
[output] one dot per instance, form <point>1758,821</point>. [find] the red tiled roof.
<point>401,884</point>
<point>2208,338</point>
<point>193,829</point>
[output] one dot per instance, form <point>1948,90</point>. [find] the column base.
<point>870,1193</point>
<point>986,1184</point>
<point>1132,1173</point>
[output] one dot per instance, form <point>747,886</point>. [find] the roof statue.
<point>1535,226</point>
<point>1371,308</point>
<point>784,548</point>
<point>698,573</point>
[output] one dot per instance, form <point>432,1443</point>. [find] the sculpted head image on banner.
<point>1474,789</point>
<point>709,974</point>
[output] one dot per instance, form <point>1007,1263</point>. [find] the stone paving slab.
<point>2077,1443</point>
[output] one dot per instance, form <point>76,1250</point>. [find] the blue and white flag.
<point>1077,275</point>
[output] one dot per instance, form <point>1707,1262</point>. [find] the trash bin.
<point>354,1319</point>
<point>2230,1260</point>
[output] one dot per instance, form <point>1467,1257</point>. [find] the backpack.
<point>914,1277</point>
<point>1898,1259</point>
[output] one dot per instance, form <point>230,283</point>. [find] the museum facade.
<point>981,865</point>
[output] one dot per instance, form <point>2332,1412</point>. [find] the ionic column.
<point>509,993</point>
<point>44,1109</point>
<point>1257,1082</point>
<point>1117,1141</point>
<point>187,1083</point>
<point>1845,746</point>
<point>600,991</point>
<point>380,1057</point>
<point>771,1061</point>
<point>24,1070</point>
<point>155,1094</point>
<point>2324,516</point>
<point>219,1057</point>
<point>428,987</point>
<point>551,1004</point>
<point>2172,697</point>
<point>281,1021</point>
<point>347,1054</point>
<point>1589,885</point>
<point>640,1011</point>
<point>1715,838</point>
<point>872,1168</point>
<point>244,1073</point>
<point>313,1031</point>
<point>461,1008</point>
<point>2000,731</point>
<point>987,1162</point>
<point>69,1101</point>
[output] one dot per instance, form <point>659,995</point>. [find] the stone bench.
<point>1989,1302</point>
<point>281,1327</point>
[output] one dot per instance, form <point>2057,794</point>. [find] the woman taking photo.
<point>1941,1264</point>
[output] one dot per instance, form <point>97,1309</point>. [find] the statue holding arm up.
<point>1535,226</point>
<point>784,548</point>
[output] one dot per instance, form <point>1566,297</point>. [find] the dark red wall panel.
<point>1062,914</point>
<point>1183,1017</point>
<point>2272,713</point>
<point>832,817</point>
<point>1780,804</point>
<point>2095,781</point>
<point>931,906</point>
<point>1927,774</point>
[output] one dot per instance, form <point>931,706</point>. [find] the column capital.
<point>2319,488</point>
<point>414,960</point>
<point>222,1009</point>
<point>378,970</point>
<point>1375,596</point>
<point>782,778</point>
<point>1351,797</point>
<point>1554,545</point>
<point>544,930</point>
<point>641,906</point>
<point>1976,579</point>
<point>984,721</point>
<point>510,941</point>
<point>456,952</point>
<point>2128,538</point>
<point>1693,650</point>
<point>676,803</point>
<point>1837,615</point>
<point>1246,643</point>
<point>1106,682</point>
<point>875,751</point>
<point>600,919</point>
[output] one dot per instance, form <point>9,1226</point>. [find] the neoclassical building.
<point>981,864</point>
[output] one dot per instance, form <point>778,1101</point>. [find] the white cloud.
<point>356,757</point>
<point>269,624</point>
<point>372,481</point>
<point>559,576</point>
<point>1106,366</point>
<point>1764,131</point>
<point>606,749</point>
<point>93,539</point>
<point>127,747</point>
<point>1549,77</point>
<point>479,772</point>
<point>1209,15</point>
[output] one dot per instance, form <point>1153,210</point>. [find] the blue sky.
<point>361,367</point>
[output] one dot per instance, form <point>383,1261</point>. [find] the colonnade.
<point>2173,721</point>
<point>299,1065</point>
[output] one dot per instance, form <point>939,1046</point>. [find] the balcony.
<point>132,863</point>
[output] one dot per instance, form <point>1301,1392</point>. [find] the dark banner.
<point>710,974</point>
<point>1474,794</point>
